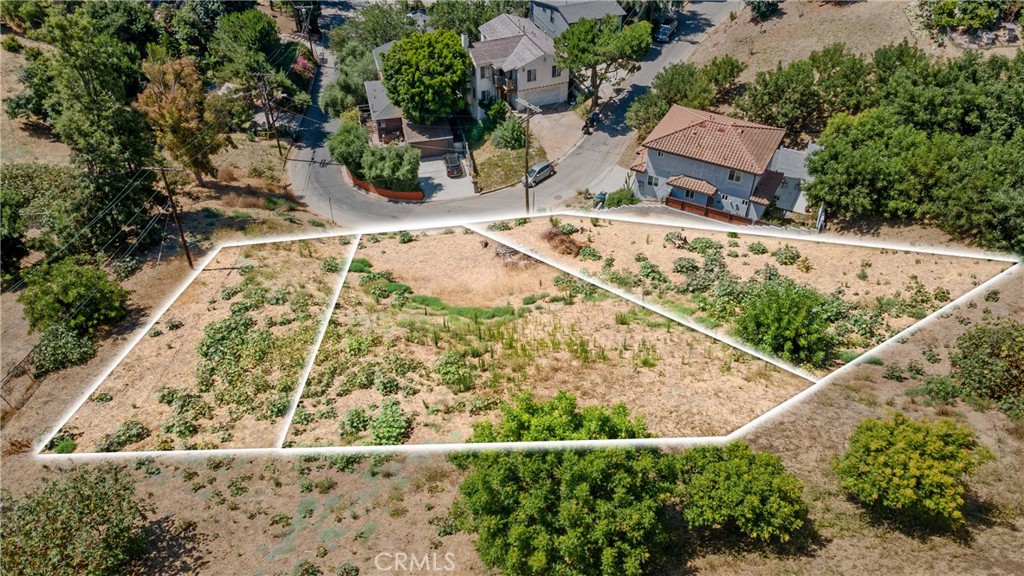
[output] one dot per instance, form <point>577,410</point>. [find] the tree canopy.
<point>245,43</point>
<point>174,101</point>
<point>72,294</point>
<point>566,512</point>
<point>465,17</point>
<point>86,520</point>
<point>596,49</point>
<point>374,25</point>
<point>425,75</point>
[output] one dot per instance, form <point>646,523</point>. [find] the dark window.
<point>689,195</point>
<point>483,72</point>
<point>555,72</point>
<point>735,176</point>
<point>531,75</point>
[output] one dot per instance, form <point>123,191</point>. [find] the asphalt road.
<point>325,191</point>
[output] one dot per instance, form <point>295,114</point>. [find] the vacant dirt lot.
<point>861,275</point>
<point>510,318</point>
<point>291,288</point>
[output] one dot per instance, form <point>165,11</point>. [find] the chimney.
<point>465,41</point>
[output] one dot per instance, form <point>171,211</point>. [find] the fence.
<point>412,196</point>
<point>706,212</point>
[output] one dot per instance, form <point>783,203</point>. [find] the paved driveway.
<point>438,186</point>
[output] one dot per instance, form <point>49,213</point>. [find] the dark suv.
<point>452,165</point>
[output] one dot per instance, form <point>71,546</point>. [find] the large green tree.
<point>786,97</point>
<point>12,235</point>
<point>72,294</point>
<point>466,17</point>
<point>566,512</point>
<point>347,145</point>
<point>598,49</point>
<point>393,167</point>
<point>375,24</point>
<point>645,112</point>
<point>355,66</point>
<point>684,84</point>
<point>425,75</point>
<point>86,520</point>
<point>245,43</point>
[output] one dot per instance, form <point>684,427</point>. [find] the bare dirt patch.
<point>285,287</point>
<point>24,141</point>
<point>517,326</point>
<point>804,27</point>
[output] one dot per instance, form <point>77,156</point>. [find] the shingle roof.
<point>764,192</point>
<point>378,52</point>
<point>690,183</point>
<point>381,107</point>
<point>510,42</point>
<point>716,139</point>
<point>574,10</point>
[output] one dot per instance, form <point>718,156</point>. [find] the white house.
<point>514,61</point>
<point>710,164</point>
<point>555,16</point>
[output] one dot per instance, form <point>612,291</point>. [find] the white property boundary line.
<point>315,348</point>
<point>906,332</point>
<point>653,308</point>
<point>159,313</point>
<point>582,444</point>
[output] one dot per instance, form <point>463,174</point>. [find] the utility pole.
<point>265,93</point>
<point>530,109</point>
<point>306,11</point>
<point>174,209</point>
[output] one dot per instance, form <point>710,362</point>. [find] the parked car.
<point>666,30</point>
<point>539,172</point>
<point>453,165</point>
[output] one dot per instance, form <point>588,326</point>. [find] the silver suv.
<point>539,172</point>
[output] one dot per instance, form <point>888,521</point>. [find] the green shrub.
<point>331,265</point>
<point>736,489</point>
<point>787,319</point>
<point>757,248</point>
<point>455,371</point>
<point>405,237</point>
<point>10,43</point>
<point>685,265</point>
<point>620,197</point>
<point>992,296</point>
<point>566,512</point>
<point>360,265</point>
<point>913,472</point>
<point>127,433</point>
<point>391,425</point>
<point>939,389</point>
<point>60,348</point>
<point>589,253</point>
<point>499,226</point>
<point>988,362</point>
<point>355,422</point>
<point>76,296</point>
<point>86,520</point>
<point>704,246</point>
<point>509,134</point>
<point>787,255</point>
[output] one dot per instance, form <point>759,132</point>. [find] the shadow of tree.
<point>174,547</point>
<point>978,515</point>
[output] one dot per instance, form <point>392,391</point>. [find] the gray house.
<point>514,61</point>
<point>709,164</point>
<point>555,16</point>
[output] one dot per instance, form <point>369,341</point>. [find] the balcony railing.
<point>505,83</point>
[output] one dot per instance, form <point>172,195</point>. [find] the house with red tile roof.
<point>709,163</point>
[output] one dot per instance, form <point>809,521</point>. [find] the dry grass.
<point>561,243</point>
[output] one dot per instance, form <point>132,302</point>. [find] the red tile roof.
<point>764,192</point>
<point>695,184</point>
<point>716,139</point>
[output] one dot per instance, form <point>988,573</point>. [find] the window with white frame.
<point>483,72</point>
<point>531,75</point>
<point>652,180</point>
<point>689,195</point>
<point>555,72</point>
<point>735,176</point>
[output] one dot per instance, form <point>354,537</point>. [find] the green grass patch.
<point>470,312</point>
<point>361,265</point>
<point>505,167</point>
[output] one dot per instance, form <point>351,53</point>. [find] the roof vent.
<point>722,129</point>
